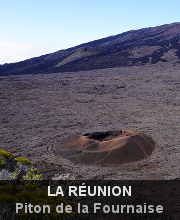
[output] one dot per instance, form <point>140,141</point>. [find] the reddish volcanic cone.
<point>111,147</point>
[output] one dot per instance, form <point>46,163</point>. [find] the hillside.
<point>136,47</point>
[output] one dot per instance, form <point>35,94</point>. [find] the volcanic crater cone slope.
<point>111,147</point>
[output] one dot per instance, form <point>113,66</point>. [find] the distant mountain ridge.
<point>136,47</point>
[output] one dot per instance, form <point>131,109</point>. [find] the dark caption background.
<point>165,193</point>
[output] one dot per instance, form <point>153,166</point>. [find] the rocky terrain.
<point>39,110</point>
<point>136,47</point>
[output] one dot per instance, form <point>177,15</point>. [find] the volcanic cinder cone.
<point>111,147</point>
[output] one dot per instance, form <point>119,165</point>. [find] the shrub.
<point>32,174</point>
<point>7,160</point>
<point>30,192</point>
<point>12,168</point>
<point>23,160</point>
<point>6,155</point>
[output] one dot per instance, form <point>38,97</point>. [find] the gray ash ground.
<point>38,110</point>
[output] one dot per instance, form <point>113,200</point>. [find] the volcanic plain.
<point>38,110</point>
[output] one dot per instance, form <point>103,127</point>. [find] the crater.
<point>106,148</point>
<point>103,136</point>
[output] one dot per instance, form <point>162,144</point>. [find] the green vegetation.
<point>23,160</point>
<point>2,162</point>
<point>6,155</point>
<point>26,191</point>
<point>32,174</point>
<point>30,192</point>
<point>12,168</point>
<point>6,159</point>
